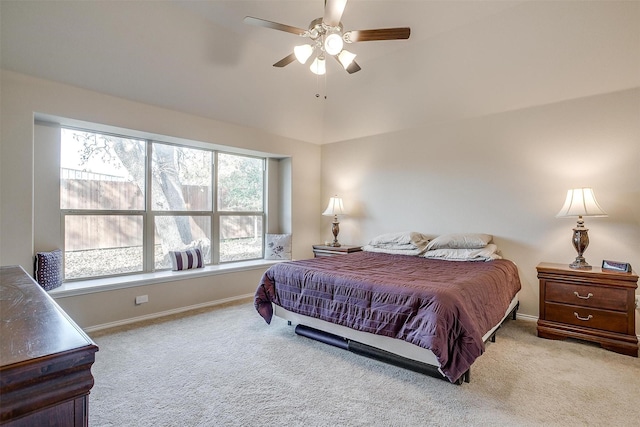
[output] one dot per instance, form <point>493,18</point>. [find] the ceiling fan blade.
<point>274,25</point>
<point>286,60</point>
<point>333,10</point>
<point>399,33</point>
<point>352,68</point>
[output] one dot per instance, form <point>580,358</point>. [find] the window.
<point>240,202</point>
<point>127,202</point>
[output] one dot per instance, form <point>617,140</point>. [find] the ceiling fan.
<point>327,38</point>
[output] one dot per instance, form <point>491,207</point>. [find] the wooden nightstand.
<point>593,305</point>
<point>323,250</point>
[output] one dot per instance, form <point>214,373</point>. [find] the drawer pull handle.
<point>589,295</point>
<point>585,319</point>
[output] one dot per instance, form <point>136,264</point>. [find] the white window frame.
<point>149,215</point>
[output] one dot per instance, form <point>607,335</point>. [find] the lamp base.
<point>580,264</point>
<point>335,229</point>
<point>580,242</point>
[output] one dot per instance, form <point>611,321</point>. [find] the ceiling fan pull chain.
<point>325,86</point>
<point>318,86</point>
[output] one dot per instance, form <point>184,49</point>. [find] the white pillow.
<point>460,241</point>
<point>277,246</point>
<point>394,250</point>
<point>488,253</point>
<point>401,238</point>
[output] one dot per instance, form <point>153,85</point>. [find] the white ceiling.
<point>464,58</point>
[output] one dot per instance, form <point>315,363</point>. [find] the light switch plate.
<point>141,299</point>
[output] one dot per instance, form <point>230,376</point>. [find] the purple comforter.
<point>444,306</point>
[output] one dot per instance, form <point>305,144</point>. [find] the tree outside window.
<point>127,202</point>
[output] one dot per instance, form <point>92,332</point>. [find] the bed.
<point>431,315</point>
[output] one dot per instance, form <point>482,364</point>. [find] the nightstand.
<point>324,250</point>
<point>594,305</point>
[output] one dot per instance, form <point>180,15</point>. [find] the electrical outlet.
<point>141,299</point>
<point>637,302</point>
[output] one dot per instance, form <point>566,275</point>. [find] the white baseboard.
<point>527,317</point>
<point>164,313</point>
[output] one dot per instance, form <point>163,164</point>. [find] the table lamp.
<point>580,202</point>
<point>335,208</point>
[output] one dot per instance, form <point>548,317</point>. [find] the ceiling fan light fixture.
<point>346,58</point>
<point>303,52</point>
<point>318,66</point>
<point>327,36</point>
<point>333,44</point>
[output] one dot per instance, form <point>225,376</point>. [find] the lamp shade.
<point>581,202</point>
<point>318,66</point>
<point>333,44</point>
<point>303,52</point>
<point>335,207</point>
<point>346,58</point>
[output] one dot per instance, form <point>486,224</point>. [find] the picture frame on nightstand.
<point>623,267</point>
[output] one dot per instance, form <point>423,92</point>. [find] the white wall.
<point>24,96</point>
<point>506,174</point>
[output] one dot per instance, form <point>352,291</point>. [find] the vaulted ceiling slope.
<point>464,58</point>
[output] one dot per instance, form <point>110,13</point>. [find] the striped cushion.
<point>187,259</point>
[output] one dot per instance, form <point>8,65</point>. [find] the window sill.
<point>120,282</point>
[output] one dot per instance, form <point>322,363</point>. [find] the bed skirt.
<point>380,347</point>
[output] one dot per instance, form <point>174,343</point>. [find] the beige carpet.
<point>227,367</point>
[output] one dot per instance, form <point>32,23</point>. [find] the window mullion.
<point>265,200</point>
<point>149,218</point>
<point>215,220</point>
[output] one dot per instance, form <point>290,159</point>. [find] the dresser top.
<point>32,325</point>
<point>593,271</point>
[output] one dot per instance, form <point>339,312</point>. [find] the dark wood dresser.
<point>45,358</point>
<point>595,305</point>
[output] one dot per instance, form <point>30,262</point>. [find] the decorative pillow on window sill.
<point>277,246</point>
<point>187,259</point>
<point>48,269</point>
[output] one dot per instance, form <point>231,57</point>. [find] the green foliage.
<point>240,183</point>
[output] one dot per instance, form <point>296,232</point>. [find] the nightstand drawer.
<point>587,296</point>
<point>587,317</point>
